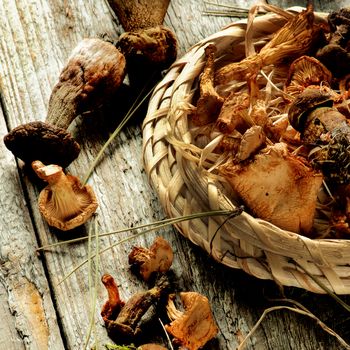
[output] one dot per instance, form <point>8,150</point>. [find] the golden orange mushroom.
<point>64,202</point>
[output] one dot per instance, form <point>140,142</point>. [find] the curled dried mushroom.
<point>157,259</point>
<point>195,326</point>
<point>64,203</point>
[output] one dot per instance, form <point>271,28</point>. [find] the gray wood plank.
<point>28,317</point>
<point>35,39</point>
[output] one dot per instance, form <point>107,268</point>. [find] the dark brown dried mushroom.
<point>93,72</point>
<point>39,140</point>
<point>154,46</point>
<point>125,325</point>
<point>64,203</point>
<point>335,55</point>
<point>304,103</point>
<point>326,131</point>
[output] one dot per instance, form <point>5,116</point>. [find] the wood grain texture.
<point>36,37</point>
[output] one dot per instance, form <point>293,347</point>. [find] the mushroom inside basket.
<point>257,115</point>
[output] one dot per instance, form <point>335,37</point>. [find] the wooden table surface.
<point>38,312</point>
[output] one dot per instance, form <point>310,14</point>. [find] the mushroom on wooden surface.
<point>92,74</point>
<point>195,326</point>
<point>64,203</point>
<point>157,259</point>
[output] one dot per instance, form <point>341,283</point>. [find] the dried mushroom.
<point>306,71</point>
<point>326,131</point>
<point>157,259</point>
<point>209,103</point>
<point>285,195</point>
<point>93,72</point>
<point>113,305</point>
<point>151,347</point>
<point>335,55</point>
<point>194,327</point>
<point>39,140</point>
<point>295,38</point>
<point>155,46</point>
<point>124,324</point>
<point>64,203</point>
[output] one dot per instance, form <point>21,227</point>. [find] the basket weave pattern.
<point>251,244</point>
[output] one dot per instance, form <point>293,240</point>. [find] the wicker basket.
<point>244,242</point>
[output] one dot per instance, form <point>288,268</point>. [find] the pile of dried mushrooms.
<point>277,123</point>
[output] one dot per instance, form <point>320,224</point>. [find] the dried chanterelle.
<point>157,259</point>
<point>194,327</point>
<point>93,72</point>
<point>64,203</point>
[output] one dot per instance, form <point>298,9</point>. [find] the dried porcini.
<point>64,203</point>
<point>124,323</point>
<point>326,131</point>
<point>157,259</point>
<point>93,72</point>
<point>335,55</point>
<point>156,46</point>
<point>285,195</point>
<point>209,103</point>
<point>194,327</point>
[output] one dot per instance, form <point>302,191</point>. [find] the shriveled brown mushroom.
<point>126,324</point>
<point>158,258</point>
<point>151,347</point>
<point>253,139</point>
<point>233,113</point>
<point>113,305</point>
<point>306,71</point>
<point>155,46</point>
<point>209,103</point>
<point>277,187</point>
<point>194,327</point>
<point>326,131</point>
<point>64,203</point>
<point>93,72</point>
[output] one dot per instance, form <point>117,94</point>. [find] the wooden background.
<point>36,37</point>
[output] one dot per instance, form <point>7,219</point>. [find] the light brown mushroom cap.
<point>158,258</point>
<point>195,326</point>
<point>306,71</point>
<point>64,203</point>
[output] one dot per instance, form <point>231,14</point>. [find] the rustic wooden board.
<point>35,39</point>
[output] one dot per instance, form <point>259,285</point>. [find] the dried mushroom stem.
<point>113,305</point>
<point>93,72</point>
<point>209,102</point>
<point>126,325</point>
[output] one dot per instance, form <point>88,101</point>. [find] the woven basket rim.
<point>259,248</point>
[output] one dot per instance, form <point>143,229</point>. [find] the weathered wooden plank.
<point>35,39</point>
<point>28,317</point>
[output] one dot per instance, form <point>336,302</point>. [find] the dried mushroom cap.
<point>64,203</point>
<point>304,103</point>
<point>158,258</point>
<point>94,71</point>
<point>306,71</point>
<point>155,45</point>
<point>38,140</point>
<point>194,327</point>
